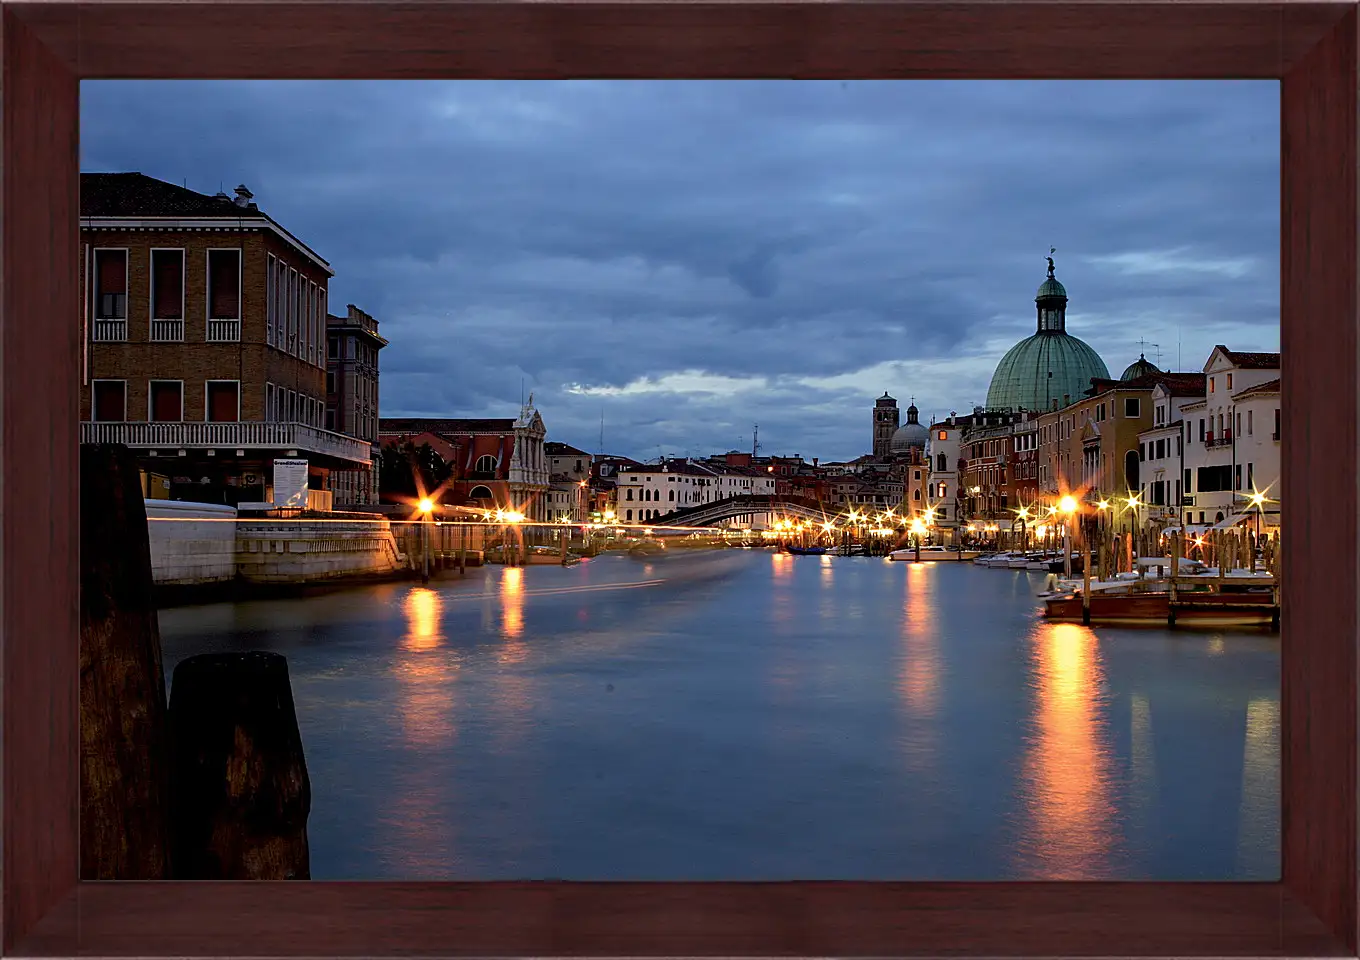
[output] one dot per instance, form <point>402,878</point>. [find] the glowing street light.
<point>426,505</point>
<point>1067,505</point>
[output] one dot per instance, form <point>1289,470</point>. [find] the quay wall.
<point>191,543</point>
<point>197,544</point>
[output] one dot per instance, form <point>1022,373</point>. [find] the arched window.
<point>916,494</point>
<point>1131,469</point>
<point>480,493</point>
<point>630,494</point>
<point>1218,517</point>
<point>630,516</point>
<point>672,496</point>
<point>485,464</point>
<point>942,463</point>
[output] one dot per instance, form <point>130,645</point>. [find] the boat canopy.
<point>1230,522</point>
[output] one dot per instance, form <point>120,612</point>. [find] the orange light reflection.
<point>1068,766</point>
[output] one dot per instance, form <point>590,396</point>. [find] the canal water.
<point>749,715</point>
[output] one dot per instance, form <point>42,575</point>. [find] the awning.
<point>1231,522</point>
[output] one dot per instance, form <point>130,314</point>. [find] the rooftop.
<point>407,426</point>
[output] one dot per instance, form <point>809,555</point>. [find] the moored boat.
<point>933,554</point>
<point>1253,607</point>
<point>807,551</point>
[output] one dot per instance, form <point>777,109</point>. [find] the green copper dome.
<point>1139,368</point>
<point>1051,365</point>
<point>1051,288</point>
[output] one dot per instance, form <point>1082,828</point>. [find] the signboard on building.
<point>290,483</point>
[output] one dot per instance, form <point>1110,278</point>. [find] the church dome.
<point>1139,368</point>
<point>910,434</point>
<point>1051,364</point>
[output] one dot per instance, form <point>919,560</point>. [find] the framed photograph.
<point>101,270</point>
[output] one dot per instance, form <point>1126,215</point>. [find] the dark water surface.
<point>746,715</point>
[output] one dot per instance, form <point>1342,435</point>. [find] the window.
<point>110,301</point>
<point>943,488</point>
<point>1189,486</point>
<point>943,435</point>
<point>1142,452</point>
<point>672,497</point>
<point>1229,383</point>
<point>485,464</point>
<point>942,463</point>
<point>1201,430</point>
<point>166,403</point>
<point>224,284</point>
<point>109,401</point>
<point>330,381</point>
<point>916,474</point>
<point>1237,424</point>
<point>1277,425</point>
<point>1249,421</point>
<point>1237,477</point>
<point>1131,407</point>
<point>1211,384</point>
<point>223,401</point>
<point>167,284</point>
<point>335,348</point>
<point>1251,483</point>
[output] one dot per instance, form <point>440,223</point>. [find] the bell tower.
<point>887,418</point>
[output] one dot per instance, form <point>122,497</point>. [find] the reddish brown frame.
<point>48,48</point>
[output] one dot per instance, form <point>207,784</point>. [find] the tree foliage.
<point>400,465</point>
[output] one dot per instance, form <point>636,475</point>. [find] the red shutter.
<point>167,269</point>
<point>112,271</point>
<point>225,275</point>
<point>165,402</point>
<point>108,400</point>
<point>222,405</point>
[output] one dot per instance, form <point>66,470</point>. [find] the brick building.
<point>353,343</point>
<point>499,463</point>
<point>203,339</point>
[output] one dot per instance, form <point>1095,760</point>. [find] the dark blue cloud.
<point>693,258</point>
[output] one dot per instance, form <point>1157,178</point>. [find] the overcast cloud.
<point>688,259</point>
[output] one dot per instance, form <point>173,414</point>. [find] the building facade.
<point>569,471</point>
<point>204,340</point>
<point>943,490</point>
<point>500,465</point>
<point>1162,448</point>
<point>352,350</point>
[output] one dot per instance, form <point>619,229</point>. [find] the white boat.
<point>933,554</point>
<point>1019,561</point>
<point>982,558</point>
<point>1038,561</point>
<point>1000,560</point>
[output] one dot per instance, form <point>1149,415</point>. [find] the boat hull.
<point>930,556</point>
<point>1208,609</point>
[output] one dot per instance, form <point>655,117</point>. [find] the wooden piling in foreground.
<point>124,771</point>
<point>239,790</point>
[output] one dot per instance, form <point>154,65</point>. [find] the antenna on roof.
<point>755,440</point>
<point>602,431</point>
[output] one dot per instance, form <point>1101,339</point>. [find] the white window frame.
<point>268,402</point>
<point>268,301</point>
<point>94,406</point>
<point>208,318</point>
<point>207,408</point>
<point>151,401</point>
<point>151,296</point>
<point>93,279</point>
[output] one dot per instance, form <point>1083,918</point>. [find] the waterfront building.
<point>1229,452</point>
<point>1049,369</point>
<point>1024,461</point>
<point>886,421</point>
<point>203,341</point>
<point>569,472</point>
<point>651,492</point>
<point>1162,447</point>
<point>911,436</point>
<point>352,345</point>
<point>943,489</point>
<point>501,463</point>
<point>604,470</point>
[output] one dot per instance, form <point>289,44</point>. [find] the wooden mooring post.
<point>124,759</point>
<point>239,790</point>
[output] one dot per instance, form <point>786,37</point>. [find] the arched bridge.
<point>708,514</point>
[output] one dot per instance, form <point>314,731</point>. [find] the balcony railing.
<point>1212,441</point>
<point>241,435</point>
<point>110,331</point>
<point>224,331</point>
<point>167,331</point>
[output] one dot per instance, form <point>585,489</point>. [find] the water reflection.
<point>1260,792</point>
<point>1143,786</point>
<point>1067,782</point>
<point>424,673</point>
<point>919,679</point>
<point>512,606</point>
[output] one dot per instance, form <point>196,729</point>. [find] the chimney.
<point>814,461</point>
<point>243,196</point>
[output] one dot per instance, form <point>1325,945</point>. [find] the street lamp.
<point>918,528</point>
<point>1068,506</point>
<point>426,506</point>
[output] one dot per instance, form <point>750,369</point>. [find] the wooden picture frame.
<point>49,47</point>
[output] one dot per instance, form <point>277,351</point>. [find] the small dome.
<point>1139,368</point>
<point>1051,288</point>
<point>907,436</point>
